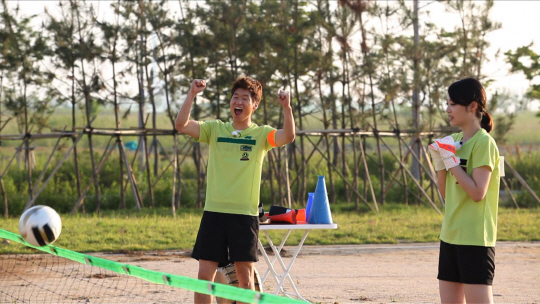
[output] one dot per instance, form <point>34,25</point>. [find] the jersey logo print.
<point>245,156</point>
<point>245,148</point>
<point>241,141</point>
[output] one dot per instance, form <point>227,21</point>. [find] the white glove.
<point>438,162</point>
<point>447,150</point>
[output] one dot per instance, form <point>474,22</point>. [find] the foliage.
<point>502,123</point>
<point>281,43</point>
<point>24,50</point>
<point>61,192</point>
<point>526,61</point>
<point>528,166</point>
<point>348,64</point>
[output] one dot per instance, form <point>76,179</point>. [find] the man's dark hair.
<point>249,84</point>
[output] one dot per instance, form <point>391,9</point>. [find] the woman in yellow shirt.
<point>467,165</point>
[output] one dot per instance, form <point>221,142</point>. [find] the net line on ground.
<point>45,278</point>
<point>115,268</point>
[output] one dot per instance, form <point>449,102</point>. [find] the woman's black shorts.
<point>227,238</point>
<point>466,264</point>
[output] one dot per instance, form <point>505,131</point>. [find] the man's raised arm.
<point>182,123</point>
<point>288,133</point>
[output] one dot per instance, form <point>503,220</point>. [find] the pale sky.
<point>520,27</point>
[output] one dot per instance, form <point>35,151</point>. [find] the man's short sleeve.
<point>270,138</point>
<point>205,131</point>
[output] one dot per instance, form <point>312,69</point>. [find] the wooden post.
<point>287,181</point>
<point>344,180</point>
<point>366,171</point>
<point>121,160</point>
<point>131,178</point>
<point>414,179</point>
<point>432,171</point>
<point>522,181</point>
<point>4,196</point>
<point>429,172</point>
<point>47,163</point>
<point>505,184</point>
<point>175,158</point>
<point>33,198</point>
<point>105,156</point>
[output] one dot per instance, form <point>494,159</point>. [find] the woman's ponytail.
<point>486,121</point>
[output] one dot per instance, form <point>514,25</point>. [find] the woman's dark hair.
<point>467,91</point>
<point>250,84</point>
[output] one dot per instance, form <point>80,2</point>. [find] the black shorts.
<point>466,264</point>
<point>227,238</point>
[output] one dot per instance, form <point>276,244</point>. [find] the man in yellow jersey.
<point>229,227</point>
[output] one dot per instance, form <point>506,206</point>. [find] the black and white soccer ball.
<point>40,225</point>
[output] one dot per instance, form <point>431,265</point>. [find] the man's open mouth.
<point>238,111</point>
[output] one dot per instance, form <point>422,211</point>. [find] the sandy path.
<point>402,273</point>
<point>407,273</point>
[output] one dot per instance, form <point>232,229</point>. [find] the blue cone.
<point>309,204</point>
<point>320,208</point>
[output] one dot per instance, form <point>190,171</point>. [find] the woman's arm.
<point>476,185</point>
<point>441,182</point>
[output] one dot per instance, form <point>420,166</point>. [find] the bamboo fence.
<point>279,165</point>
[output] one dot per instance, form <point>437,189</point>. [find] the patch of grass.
<point>520,132</point>
<point>519,225</point>
<point>157,229</point>
<point>125,230</point>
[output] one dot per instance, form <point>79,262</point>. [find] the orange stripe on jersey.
<point>271,139</point>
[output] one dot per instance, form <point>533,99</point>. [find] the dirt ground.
<point>406,273</point>
<point>401,273</point>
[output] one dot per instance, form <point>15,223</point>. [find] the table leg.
<point>280,278</point>
<point>270,264</point>
<point>271,244</point>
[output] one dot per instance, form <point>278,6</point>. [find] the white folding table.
<point>284,274</point>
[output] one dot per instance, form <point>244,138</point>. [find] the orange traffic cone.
<point>289,217</point>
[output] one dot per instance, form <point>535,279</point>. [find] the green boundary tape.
<point>200,286</point>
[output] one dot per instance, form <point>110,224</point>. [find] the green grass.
<point>127,230</point>
<point>523,132</point>
<point>158,230</point>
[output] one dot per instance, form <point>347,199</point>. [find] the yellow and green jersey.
<point>234,166</point>
<point>467,222</point>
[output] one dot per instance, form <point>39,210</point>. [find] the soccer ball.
<point>40,225</point>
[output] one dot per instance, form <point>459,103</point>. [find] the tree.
<point>88,79</point>
<point>24,50</point>
<point>471,36</point>
<point>525,60</point>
